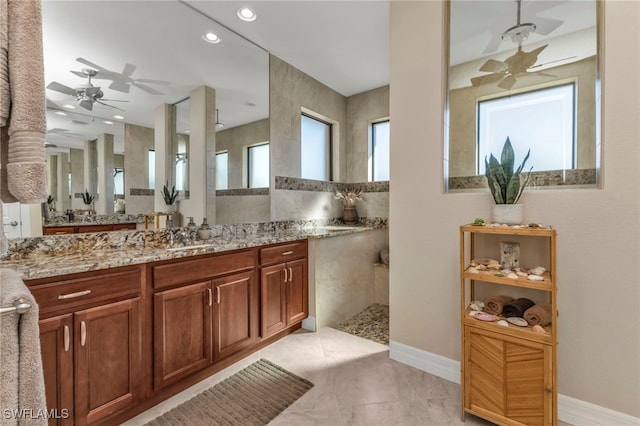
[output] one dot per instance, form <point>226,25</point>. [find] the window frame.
<point>372,150</point>
<point>248,169</point>
<point>329,148</point>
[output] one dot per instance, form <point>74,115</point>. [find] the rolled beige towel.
<point>5,194</point>
<point>5,94</point>
<point>26,170</point>
<point>539,314</point>
<point>494,305</point>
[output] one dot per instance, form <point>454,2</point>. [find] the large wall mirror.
<point>107,72</point>
<point>527,70</point>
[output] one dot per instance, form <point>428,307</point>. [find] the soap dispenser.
<point>204,231</point>
<point>191,226</point>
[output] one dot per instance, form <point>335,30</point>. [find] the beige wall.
<point>362,110</point>
<point>138,141</point>
<point>598,230</point>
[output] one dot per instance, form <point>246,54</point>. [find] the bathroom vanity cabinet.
<point>90,337</point>
<point>75,229</point>
<point>115,342</point>
<point>204,310</point>
<point>284,286</point>
<point>509,373</point>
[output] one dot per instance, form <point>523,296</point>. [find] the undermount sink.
<point>199,246</point>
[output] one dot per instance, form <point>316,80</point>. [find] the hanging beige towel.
<point>22,379</point>
<point>5,195</point>
<point>27,122</point>
<point>4,243</point>
<point>5,95</point>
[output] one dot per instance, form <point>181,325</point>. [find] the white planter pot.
<point>511,214</point>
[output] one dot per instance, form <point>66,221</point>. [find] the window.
<point>181,171</point>
<point>315,148</point>
<point>152,169</point>
<point>542,120</point>
<point>222,170</point>
<point>258,166</point>
<point>118,181</point>
<point>379,151</point>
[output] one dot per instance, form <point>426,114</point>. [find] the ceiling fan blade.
<point>147,88</point>
<point>86,104</point>
<point>486,79</point>
<point>54,85</point>
<point>494,66</point>
<point>120,86</point>
<point>146,80</point>
<point>79,74</point>
<point>92,65</point>
<point>553,62</point>
<point>53,105</point>
<point>545,26</point>
<point>113,100</point>
<point>110,106</point>
<point>542,74</point>
<point>507,82</point>
<point>128,69</point>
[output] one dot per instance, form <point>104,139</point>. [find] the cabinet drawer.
<point>94,228</point>
<point>283,252</point>
<point>58,230</point>
<point>193,270</point>
<point>69,293</point>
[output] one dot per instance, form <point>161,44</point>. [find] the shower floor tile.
<point>372,324</point>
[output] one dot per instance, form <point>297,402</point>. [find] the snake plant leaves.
<point>505,183</point>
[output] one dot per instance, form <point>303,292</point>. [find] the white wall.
<point>598,230</point>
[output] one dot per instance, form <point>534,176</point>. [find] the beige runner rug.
<point>253,396</point>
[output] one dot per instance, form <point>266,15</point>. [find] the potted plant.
<point>349,199</point>
<point>88,199</point>
<point>169,196</point>
<point>506,185</point>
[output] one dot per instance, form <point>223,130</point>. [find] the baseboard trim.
<point>570,410</point>
<point>309,323</point>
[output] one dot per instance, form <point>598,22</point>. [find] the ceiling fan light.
<point>211,38</point>
<point>108,122</point>
<point>246,14</point>
<point>118,117</point>
<point>519,33</point>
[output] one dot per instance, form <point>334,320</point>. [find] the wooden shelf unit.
<point>508,374</point>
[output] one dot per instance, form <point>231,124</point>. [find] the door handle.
<point>287,253</point>
<point>290,275</point>
<point>210,297</point>
<point>73,295</point>
<point>285,275</point>
<point>83,333</point>
<point>66,338</point>
<point>218,295</point>
<point>13,223</point>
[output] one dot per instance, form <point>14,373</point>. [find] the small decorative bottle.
<point>204,231</point>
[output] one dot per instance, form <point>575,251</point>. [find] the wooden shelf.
<point>512,330</point>
<point>491,277</point>
<point>509,230</point>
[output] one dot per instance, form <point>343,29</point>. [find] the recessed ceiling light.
<point>108,122</point>
<point>118,117</point>
<point>246,14</point>
<point>69,106</point>
<point>61,113</point>
<point>211,38</point>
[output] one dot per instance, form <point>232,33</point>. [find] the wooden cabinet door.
<point>235,313</point>
<point>182,332</point>
<point>108,352</point>
<point>273,315</point>
<point>508,380</point>
<point>297,291</point>
<point>56,346</point>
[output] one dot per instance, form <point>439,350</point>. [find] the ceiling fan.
<point>121,81</point>
<point>506,72</point>
<point>86,94</point>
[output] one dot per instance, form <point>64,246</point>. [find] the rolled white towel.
<point>384,256</point>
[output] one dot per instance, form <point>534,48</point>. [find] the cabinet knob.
<point>287,253</point>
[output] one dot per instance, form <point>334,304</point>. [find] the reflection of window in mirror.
<point>222,170</point>
<point>152,169</point>
<point>181,171</point>
<point>258,166</point>
<point>69,182</point>
<point>315,141</point>
<point>118,181</point>
<point>379,151</point>
<point>518,117</point>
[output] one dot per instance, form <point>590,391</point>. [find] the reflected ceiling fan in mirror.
<point>85,94</point>
<point>121,81</point>
<point>519,64</point>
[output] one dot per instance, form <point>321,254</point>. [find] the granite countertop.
<point>42,263</point>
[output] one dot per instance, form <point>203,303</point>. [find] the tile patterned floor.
<point>372,324</point>
<point>355,384</point>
